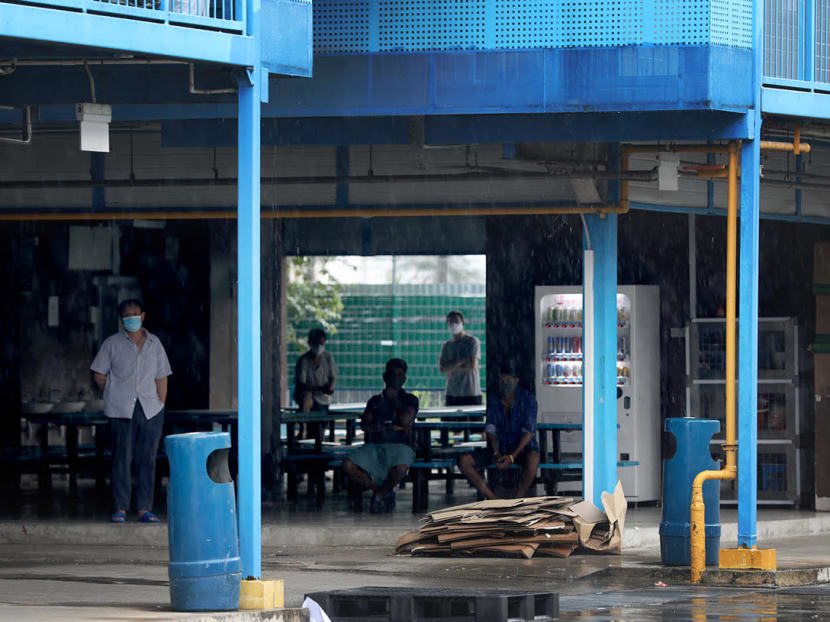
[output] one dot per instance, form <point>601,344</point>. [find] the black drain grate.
<point>391,604</point>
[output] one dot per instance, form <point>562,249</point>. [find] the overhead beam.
<point>543,81</point>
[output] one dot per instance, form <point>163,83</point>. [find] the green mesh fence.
<point>406,321</point>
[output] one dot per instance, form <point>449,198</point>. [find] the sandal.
<point>119,517</point>
<point>148,517</point>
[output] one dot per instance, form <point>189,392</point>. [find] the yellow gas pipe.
<point>698,510</point>
<point>730,448</point>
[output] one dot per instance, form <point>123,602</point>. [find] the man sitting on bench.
<point>511,436</point>
<point>381,463</point>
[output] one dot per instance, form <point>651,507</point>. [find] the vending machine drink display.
<point>559,371</point>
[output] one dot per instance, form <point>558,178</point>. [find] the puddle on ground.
<point>804,604</point>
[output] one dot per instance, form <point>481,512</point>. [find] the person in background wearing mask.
<point>511,436</point>
<point>315,374</point>
<point>381,463</point>
<point>459,361</point>
<point>132,369</point>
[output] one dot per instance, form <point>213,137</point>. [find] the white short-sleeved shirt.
<point>462,383</point>
<point>131,374</point>
<point>316,376</point>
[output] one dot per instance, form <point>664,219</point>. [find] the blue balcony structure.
<point>131,37</point>
<point>465,71</point>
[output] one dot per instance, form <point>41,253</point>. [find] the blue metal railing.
<point>822,41</point>
<point>797,43</point>
<point>225,15</point>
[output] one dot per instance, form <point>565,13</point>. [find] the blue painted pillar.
<point>600,352</point>
<point>748,300</point>
<point>248,327</point>
<point>748,344</point>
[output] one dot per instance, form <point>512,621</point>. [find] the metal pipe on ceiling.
<point>45,184</point>
<point>359,212</point>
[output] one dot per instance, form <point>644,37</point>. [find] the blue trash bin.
<point>691,456</point>
<point>205,570</point>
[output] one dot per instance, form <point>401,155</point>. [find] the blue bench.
<point>314,464</point>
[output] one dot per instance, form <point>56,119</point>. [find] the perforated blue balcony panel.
<point>361,26</point>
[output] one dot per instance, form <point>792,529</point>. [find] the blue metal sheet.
<point>541,81</point>
<point>129,35</point>
<point>286,37</point>
<point>795,103</point>
<point>614,80</point>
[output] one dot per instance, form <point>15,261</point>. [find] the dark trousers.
<point>134,443</point>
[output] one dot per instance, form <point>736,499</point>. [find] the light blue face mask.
<point>132,323</point>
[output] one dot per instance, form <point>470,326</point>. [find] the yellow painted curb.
<point>747,559</point>
<point>259,595</point>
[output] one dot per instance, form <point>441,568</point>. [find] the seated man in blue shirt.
<point>381,463</point>
<point>511,436</point>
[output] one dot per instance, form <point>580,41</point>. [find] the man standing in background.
<point>315,374</point>
<point>459,361</point>
<point>132,369</point>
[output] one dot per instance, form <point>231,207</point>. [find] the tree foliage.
<point>313,297</point>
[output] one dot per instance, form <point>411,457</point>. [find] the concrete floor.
<point>58,518</point>
<point>61,560</point>
<point>65,582</point>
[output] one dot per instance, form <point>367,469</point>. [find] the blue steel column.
<point>603,242</point>
<point>248,328</point>
<point>748,309</point>
<point>748,346</point>
<point>248,305</point>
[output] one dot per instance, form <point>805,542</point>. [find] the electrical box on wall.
<point>95,126</point>
<point>667,172</point>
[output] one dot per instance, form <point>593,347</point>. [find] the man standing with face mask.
<point>459,361</point>
<point>381,463</point>
<point>315,374</point>
<point>314,377</point>
<point>511,436</point>
<point>132,369</point>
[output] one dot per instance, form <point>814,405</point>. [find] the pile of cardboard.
<point>545,526</point>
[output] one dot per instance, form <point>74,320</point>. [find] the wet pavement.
<point>59,582</point>
<point>120,573</point>
<point>304,522</point>
<point>699,605</point>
